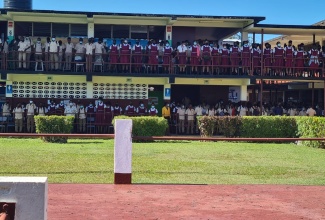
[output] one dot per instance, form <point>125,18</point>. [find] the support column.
<point>254,37</point>
<point>91,30</point>
<point>262,57</point>
<point>243,93</point>
<point>11,30</point>
<point>244,36</point>
<point>314,38</point>
<point>123,151</point>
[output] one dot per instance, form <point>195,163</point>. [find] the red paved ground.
<point>101,201</point>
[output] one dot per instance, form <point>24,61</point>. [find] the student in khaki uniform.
<point>181,119</point>
<point>18,112</point>
<point>30,111</point>
<point>68,49</point>
<point>190,112</point>
<point>82,112</point>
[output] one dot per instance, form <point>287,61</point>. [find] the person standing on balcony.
<point>215,58</point>
<point>38,48</point>
<point>113,56</point>
<point>234,57</point>
<point>206,57</point>
<point>99,50</point>
<point>68,49</point>
<point>256,54</point>
<point>194,58</point>
<point>80,51</point>
<point>267,58</point>
<point>29,44</point>
<point>90,50</point>
<point>22,47</point>
<point>278,59</point>
<point>246,54</point>
<point>224,58</point>
<point>47,54</point>
<point>313,61</point>
<point>300,56</point>
<point>289,52</point>
<point>167,57</point>
<point>181,53</point>
<point>125,52</point>
<point>54,54</point>
<point>153,56</point>
<point>137,56</point>
<point>61,53</point>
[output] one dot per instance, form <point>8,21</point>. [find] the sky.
<point>276,11</point>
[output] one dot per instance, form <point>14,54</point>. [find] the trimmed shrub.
<point>207,125</point>
<point>146,125</point>
<point>268,127</point>
<point>54,125</point>
<point>311,127</point>
<point>229,126</point>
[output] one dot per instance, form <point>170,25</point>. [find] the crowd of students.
<point>182,114</point>
<point>200,56</point>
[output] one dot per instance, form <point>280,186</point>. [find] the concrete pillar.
<point>11,30</point>
<point>28,194</point>
<point>244,36</point>
<point>169,33</point>
<point>167,91</point>
<point>91,30</point>
<point>243,93</point>
<point>123,151</point>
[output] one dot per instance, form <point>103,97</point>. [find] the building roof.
<point>287,29</point>
<point>124,18</point>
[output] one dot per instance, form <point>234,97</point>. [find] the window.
<point>103,31</point>
<point>79,30</point>
<point>41,29</point>
<point>121,31</point>
<point>23,29</point>
<point>139,32</point>
<point>157,32</point>
<point>60,30</point>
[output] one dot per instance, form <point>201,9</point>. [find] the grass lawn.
<point>91,161</point>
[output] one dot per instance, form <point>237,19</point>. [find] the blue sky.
<point>275,11</point>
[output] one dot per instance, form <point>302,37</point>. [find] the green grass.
<point>91,161</point>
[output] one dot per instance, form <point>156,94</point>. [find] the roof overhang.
<point>286,29</point>
<point>128,18</point>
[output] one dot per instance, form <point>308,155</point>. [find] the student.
<point>19,115</point>
<point>267,58</point>
<point>68,49</point>
<point>181,53</point>
<point>278,59</point>
<point>234,57</point>
<point>289,52</point>
<point>206,57</point>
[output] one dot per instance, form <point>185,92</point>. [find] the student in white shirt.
<point>19,115</point>
<point>30,111</point>
<point>22,47</point>
<point>54,54</point>
<point>90,49</point>
<point>68,49</point>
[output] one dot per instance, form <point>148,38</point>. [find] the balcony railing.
<point>218,65</point>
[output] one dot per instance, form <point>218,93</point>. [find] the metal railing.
<point>216,64</point>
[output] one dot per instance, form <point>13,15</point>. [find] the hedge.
<point>146,125</point>
<point>265,127</point>
<point>54,124</point>
<point>268,127</point>
<point>311,127</point>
